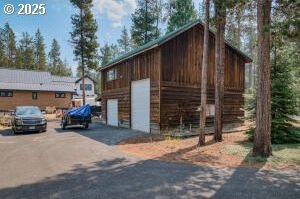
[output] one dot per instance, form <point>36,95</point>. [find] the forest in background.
<point>29,52</point>
<point>154,18</point>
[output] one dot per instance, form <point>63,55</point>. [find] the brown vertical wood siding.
<point>174,69</point>
<point>181,80</point>
<point>143,66</point>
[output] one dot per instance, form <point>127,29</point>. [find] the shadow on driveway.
<point>122,178</point>
<point>103,133</point>
<point>152,179</point>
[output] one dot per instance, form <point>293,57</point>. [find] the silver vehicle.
<point>28,119</point>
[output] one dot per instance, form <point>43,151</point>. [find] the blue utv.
<point>77,116</point>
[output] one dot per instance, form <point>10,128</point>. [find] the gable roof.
<point>32,80</point>
<point>163,39</point>
<point>86,76</point>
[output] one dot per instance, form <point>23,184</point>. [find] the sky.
<point>111,16</point>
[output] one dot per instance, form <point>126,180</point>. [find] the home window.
<point>88,87</point>
<point>112,74</point>
<point>60,95</point>
<point>6,93</point>
<point>34,95</point>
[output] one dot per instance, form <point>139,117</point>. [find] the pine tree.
<point>283,102</point>
<point>84,38</point>
<point>183,13</point>
<point>40,56</point>
<point>144,22</point>
<point>262,136</point>
<point>220,18</point>
<point>106,55</point>
<point>10,45</point>
<point>26,49</point>
<point>68,70</point>
<point>3,58</point>
<point>202,9</point>
<point>284,58</point>
<point>115,52</point>
<point>124,42</point>
<point>19,59</point>
<point>204,76</point>
<point>56,66</point>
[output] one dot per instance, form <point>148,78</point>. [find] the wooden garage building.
<point>156,86</point>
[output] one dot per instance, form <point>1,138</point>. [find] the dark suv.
<point>28,118</point>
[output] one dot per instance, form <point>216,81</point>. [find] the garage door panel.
<point>140,105</point>
<point>112,112</point>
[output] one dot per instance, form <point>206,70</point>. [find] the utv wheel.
<point>86,126</point>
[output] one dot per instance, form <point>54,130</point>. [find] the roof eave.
<point>121,60</point>
<point>149,48</point>
<point>247,58</point>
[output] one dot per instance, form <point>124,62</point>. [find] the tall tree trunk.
<point>146,23</point>
<point>158,15</point>
<point>220,12</point>
<point>82,62</point>
<point>204,76</point>
<point>262,136</point>
<point>250,76</point>
<point>238,31</point>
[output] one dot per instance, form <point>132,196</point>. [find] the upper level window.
<point>88,87</point>
<point>111,74</point>
<point>6,93</point>
<point>34,95</point>
<point>60,95</point>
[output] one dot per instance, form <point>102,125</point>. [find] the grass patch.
<point>283,154</point>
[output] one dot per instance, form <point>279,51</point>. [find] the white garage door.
<point>140,105</point>
<point>112,112</point>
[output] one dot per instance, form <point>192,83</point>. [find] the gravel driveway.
<point>79,163</point>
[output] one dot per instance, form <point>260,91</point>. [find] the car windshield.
<point>28,111</point>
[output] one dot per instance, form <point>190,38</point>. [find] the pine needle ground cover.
<point>234,151</point>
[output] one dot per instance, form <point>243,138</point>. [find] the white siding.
<point>89,95</point>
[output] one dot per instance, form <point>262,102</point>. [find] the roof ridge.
<point>167,37</point>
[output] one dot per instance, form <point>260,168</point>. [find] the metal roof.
<point>26,76</point>
<point>56,78</point>
<point>18,79</point>
<point>159,41</point>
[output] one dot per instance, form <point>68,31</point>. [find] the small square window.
<point>6,93</point>
<point>60,95</point>
<point>88,87</point>
<point>34,95</point>
<point>112,74</point>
